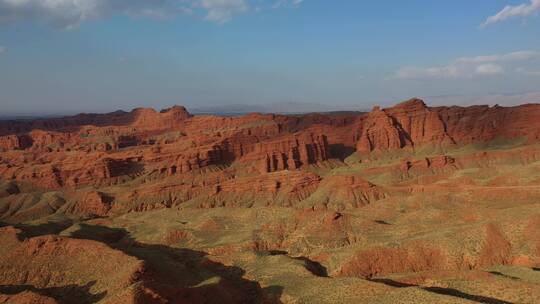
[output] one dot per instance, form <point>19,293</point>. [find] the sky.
<point>70,56</point>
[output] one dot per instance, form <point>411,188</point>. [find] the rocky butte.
<point>404,204</point>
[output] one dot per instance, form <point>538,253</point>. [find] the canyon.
<point>406,204</point>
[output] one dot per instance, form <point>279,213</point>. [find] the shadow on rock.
<point>69,294</point>
<point>55,227</point>
<point>500,274</point>
<point>314,267</point>
<point>443,291</point>
<point>340,151</point>
<point>179,275</point>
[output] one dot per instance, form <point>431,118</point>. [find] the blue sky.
<point>67,56</point>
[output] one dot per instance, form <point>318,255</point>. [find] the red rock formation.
<point>90,204</point>
<point>381,132</point>
<point>280,188</point>
<point>345,191</point>
<point>66,268</point>
<point>92,166</point>
<point>148,119</point>
<point>483,123</point>
<point>109,149</point>
<point>413,124</point>
<point>420,124</point>
<point>14,142</point>
<point>415,257</point>
<point>496,250</point>
<point>290,152</point>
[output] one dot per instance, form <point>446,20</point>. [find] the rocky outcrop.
<point>420,124</point>
<point>69,170</point>
<point>291,152</point>
<point>89,205</point>
<point>412,124</point>
<point>145,118</point>
<point>73,270</point>
<point>407,125</point>
<point>283,188</point>
<point>15,142</point>
<point>483,123</point>
<point>344,191</point>
<point>114,148</point>
<point>381,132</point>
<point>415,257</point>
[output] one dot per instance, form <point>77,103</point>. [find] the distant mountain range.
<point>280,108</point>
<point>225,110</point>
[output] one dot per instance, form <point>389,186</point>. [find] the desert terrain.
<point>406,204</point>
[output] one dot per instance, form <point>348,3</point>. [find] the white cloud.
<point>527,72</point>
<point>486,65</point>
<point>281,3</point>
<point>489,69</point>
<point>71,13</point>
<point>489,99</point>
<point>221,11</point>
<point>514,56</point>
<point>449,71</point>
<point>510,11</point>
